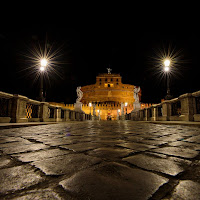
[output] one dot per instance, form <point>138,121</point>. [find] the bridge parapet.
<point>184,108</point>
<point>18,108</point>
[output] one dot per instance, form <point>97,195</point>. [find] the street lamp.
<point>126,104</point>
<point>90,105</point>
<point>43,65</point>
<point>167,63</point>
<point>118,111</point>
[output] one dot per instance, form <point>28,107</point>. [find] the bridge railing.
<point>184,108</point>
<point>18,108</point>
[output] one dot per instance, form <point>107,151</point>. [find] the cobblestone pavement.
<point>100,160</point>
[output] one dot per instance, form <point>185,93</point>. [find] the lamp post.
<point>43,65</point>
<point>118,111</point>
<point>90,105</point>
<point>126,104</point>
<point>167,70</point>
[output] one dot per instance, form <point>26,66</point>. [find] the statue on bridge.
<point>79,94</point>
<point>136,104</point>
<point>136,96</point>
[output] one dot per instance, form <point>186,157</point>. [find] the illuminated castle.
<point>106,95</point>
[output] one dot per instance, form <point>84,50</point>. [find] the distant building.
<point>106,95</point>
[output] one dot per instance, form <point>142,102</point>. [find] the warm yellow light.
<point>166,68</point>
<point>43,62</point>
<point>126,103</point>
<point>90,104</point>
<point>98,111</point>
<point>118,110</point>
<point>42,69</point>
<point>167,63</point>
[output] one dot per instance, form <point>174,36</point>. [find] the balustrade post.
<point>58,114</point>
<point>187,106</point>
<point>166,110</point>
<point>18,111</point>
<point>44,108</point>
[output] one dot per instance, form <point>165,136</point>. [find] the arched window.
<point>108,85</point>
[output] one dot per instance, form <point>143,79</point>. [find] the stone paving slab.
<point>113,181</point>
<point>44,194</point>
<point>40,155</point>
<point>137,146</point>
<point>14,144</point>
<point>186,190</point>
<point>80,147</point>
<point>24,148</point>
<point>4,161</point>
<point>65,164</point>
<point>110,153</point>
<point>176,151</point>
<point>152,163</point>
<point>18,178</point>
<point>153,142</point>
<point>195,139</point>
<point>185,144</point>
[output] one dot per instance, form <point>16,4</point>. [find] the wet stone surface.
<point>100,160</point>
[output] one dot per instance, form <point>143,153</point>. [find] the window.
<point>106,80</point>
<point>111,79</point>
<point>100,79</point>
<point>108,85</point>
<point>117,79</point>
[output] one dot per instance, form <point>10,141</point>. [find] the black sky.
<point>86,52</point>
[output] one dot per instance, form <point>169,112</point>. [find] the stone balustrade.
<point>184,108</point>
<point>18,108</point>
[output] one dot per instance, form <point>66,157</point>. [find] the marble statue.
<point>79,94</point>
<point>136,96</point>
<point>109,70</point>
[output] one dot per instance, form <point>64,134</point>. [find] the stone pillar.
<point>78,116</point>
<point>136,106</point>
<point>155,113</point>
<point>18,112</point>
<point>122,111</point>
<point>78,106</point>
<point>187,106</point>
<point>73,117</point>
<point>146,117</point>
<point>117,115</point>
<point>43,114</point>
<point>141,116</point>
<point>94,117</point>
<point>83,117</point>
<point>67,115</point>
<point>166,110</point>
<point>58,114</point>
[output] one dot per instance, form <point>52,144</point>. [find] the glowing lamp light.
<point>98,111</point>
<point>43,62</point>
<point>166,68</point>
<point>90,104</point>
<point>167,63</point>
<point>126,104</point>
<point>118,110</point>
<point>42,69</point>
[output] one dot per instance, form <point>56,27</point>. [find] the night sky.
<point>86,52</point>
